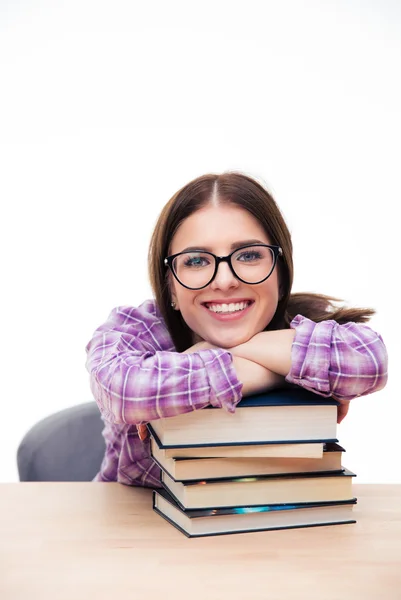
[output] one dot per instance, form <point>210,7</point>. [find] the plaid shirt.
<point>137,376</point>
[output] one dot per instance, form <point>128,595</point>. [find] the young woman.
<point>223,324</point>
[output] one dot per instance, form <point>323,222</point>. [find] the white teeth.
<point>228,308</point>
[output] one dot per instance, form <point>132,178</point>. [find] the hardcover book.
<point>262,490</point>
<point>280,416</point>
<point>270,450</point>
<point>219,521</point>
<point>183,469</point>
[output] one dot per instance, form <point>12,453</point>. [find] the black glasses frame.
<point>277,251</point>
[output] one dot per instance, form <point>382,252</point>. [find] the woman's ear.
<point>174,301</point>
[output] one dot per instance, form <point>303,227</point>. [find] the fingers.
<point>142,432</point>
<point>342,411</point>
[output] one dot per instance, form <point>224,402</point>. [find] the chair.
<point>66,446</point>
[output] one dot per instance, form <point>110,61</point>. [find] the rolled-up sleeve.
<point>344,361</point>
<point>135,380</point>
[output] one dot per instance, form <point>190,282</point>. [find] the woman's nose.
<point>225,279</point>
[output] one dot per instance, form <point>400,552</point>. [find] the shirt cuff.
<point>225,388</point>
<point>310,355</point>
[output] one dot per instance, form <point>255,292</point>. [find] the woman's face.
<point>220,229</point>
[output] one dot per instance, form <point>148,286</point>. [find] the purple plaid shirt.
<point>137,376</point>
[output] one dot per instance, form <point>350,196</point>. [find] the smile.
<point>228,311</point>
<point>227,308</point>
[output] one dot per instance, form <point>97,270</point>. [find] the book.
<point>207,522</point>
<point>182,469</point>
<point>261,490</point>
<point>289,416</point>
<point>301,450</point>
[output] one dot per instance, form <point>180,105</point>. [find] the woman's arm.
<point>136,379</point>
<point>344,361</point>
<point>254,377</point>
<point>270,349</point>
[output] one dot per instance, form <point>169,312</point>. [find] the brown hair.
<point>241,190</point>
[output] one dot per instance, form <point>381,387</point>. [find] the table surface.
<point>101,540</point>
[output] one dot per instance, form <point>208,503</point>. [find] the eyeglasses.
<point>250,264</point>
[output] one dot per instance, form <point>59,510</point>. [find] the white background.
<point>107,108</point>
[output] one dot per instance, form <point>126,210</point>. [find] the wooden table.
<point>95,541</point>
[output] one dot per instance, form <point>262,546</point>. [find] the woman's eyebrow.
<point>234,245</point>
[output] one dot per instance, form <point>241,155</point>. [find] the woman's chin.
<point>230,341</point>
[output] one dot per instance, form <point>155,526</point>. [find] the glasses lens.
<point>194,269</point>
<point>253,263</point>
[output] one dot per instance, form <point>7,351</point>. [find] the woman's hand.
<point>142,432</point>
<point>255,378</point>
<point>270,349</point>
<point>342,410</point>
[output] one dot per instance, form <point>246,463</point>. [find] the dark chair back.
<point>66,446</point>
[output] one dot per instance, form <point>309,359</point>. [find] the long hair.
<point>240,190</point>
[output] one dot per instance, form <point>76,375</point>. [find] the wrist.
<point>270,349</point>
<point>253,377</point>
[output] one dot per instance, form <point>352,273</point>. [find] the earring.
<point>173,304</point>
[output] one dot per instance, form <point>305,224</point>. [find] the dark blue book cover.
<point>286,397</point>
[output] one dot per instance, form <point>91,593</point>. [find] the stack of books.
<point>273,464</point>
